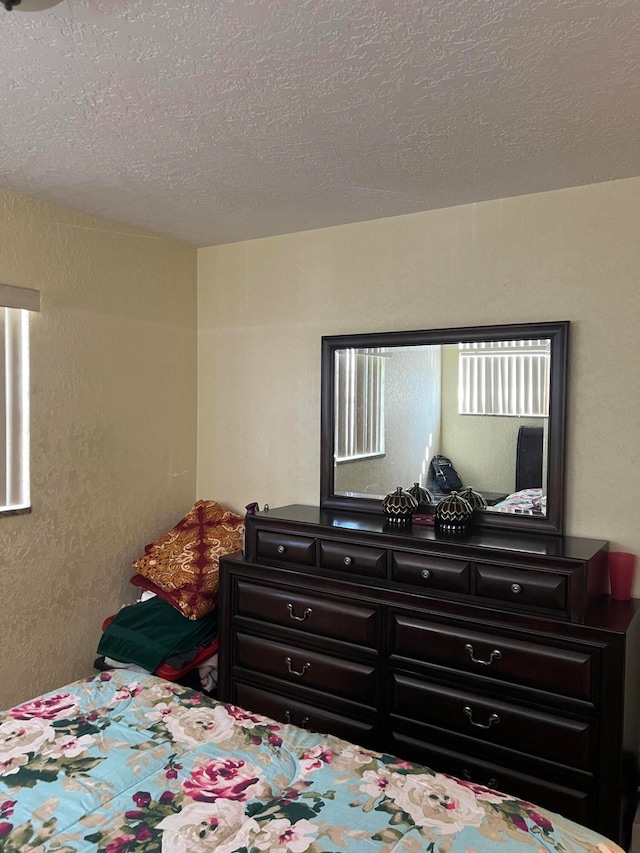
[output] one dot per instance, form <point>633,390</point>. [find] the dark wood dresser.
<point>494,656</point>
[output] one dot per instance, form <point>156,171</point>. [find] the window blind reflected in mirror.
<point>506,378</point>
<point>359,384</point>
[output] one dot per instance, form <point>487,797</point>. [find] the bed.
<point>129,763</point>
<point>529,497</point>
<point>529,501</point>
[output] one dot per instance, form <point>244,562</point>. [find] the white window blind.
<point>504,378</point>
<point>15,304</point>
<point>359,384</point>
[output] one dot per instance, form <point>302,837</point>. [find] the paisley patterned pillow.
<point>184,562</point>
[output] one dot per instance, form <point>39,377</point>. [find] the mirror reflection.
<point>475,413</point>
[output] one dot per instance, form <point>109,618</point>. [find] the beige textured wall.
<point>113,429</point>
<point>567,255</point>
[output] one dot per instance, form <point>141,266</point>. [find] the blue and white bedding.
<point>129,763</point>
<point>530,501</point>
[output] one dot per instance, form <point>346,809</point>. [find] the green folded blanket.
<point>149,632</point>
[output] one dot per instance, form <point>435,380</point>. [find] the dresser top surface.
<point>565,547</point>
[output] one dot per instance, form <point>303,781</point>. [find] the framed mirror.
<point>489,399</point>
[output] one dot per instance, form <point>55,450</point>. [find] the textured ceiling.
<point>214,121</point>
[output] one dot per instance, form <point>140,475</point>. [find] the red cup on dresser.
<point>621,570</point>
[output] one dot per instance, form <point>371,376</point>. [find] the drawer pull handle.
<point>494,655</point>
<point>491,783</point>
<point>281,549</point>
<point>307,612</point>
<point>298,672</point>
<point>348,561</point>
<point>426,574</point>
<point>304,722</point>
<point>516,588</point>
<point>494,718</point>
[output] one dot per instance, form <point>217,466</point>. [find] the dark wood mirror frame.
<point>558,333</point>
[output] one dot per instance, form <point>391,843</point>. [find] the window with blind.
<point>508,378</point>
<point>359,384</point>
<point>15,305</point>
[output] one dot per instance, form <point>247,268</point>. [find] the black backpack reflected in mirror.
<point>442,477</point>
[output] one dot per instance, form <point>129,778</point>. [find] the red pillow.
<point>169,597</point>
<point>183,563</point>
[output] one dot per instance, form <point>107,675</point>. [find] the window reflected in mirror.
<point>359,384</point>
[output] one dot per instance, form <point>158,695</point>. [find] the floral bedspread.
<point>124,763</point>
<point>526,500</point>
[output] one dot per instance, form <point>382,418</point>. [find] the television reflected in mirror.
<point>480,407</point>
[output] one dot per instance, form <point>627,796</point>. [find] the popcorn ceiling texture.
<point>113,384</point>
<point>214,122</point>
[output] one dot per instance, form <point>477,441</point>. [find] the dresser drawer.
<point>521,587</point>
<point>309,613</point>
<point>286,548</point>
<point>306,716</point>
<point>552,737</point>
<point>354,559</point>
<point>308,669</point>
<point>563,671</point>
<point>571,802</point>
<point>431,572</point>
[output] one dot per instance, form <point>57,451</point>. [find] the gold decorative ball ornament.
<point>422,496</point>
<point>476,500</point>
<point>399,506</point>
<point>453,513</point>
